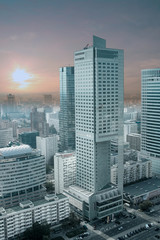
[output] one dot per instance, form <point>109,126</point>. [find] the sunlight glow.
<point>20,76</point>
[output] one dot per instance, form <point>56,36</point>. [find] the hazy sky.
<point>39,36</point>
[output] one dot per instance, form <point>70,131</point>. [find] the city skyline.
<point>39,37</point>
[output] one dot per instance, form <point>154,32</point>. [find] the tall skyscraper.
<point>150,120</point>
<point>67,109</point>
<point>99,74</point>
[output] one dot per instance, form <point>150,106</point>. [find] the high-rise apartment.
<point>150,120</point>
<point>99,74</point>
<point>67,109</point>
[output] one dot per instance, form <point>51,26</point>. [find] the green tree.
<point>37,232</point>
<point>145,205</point>
<point>49,187</point>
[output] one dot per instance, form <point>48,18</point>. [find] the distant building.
<point>129,127</point>
<point>52,209</point>
<point>64,171</point>
<point>11,104</point>
<point>67,109</point>
<point>39,123</point>
<point>22,175</point>
<point>48,147</point>
<point>134,140</point>
<point>114,146</point>
<point>150,120</point>
<point>133,171</point>
<point>6,136</point>
<point>28,138</point>
<point>53,119</point>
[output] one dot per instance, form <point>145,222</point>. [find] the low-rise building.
<point>145,190</point>
<point>133,171</point>
<point>14,221</point>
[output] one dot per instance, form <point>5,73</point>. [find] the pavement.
<point>111,232</point>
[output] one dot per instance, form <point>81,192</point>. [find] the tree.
<point>49,187</point>
<point>37,232</point>
<point>145,205</point>
<point>74,220</point>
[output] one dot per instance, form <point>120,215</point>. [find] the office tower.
<point>28,138</point>
<point>150,120</point>
<point>22,175</point>
<point>38,122</point>
<point>99,119</point>
<point>48,147</point>
<point>47,99</point>
<point>67,109</point>
<point>64,170</point>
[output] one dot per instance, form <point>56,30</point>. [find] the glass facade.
<point>150,80</point>
<point>67,109</point>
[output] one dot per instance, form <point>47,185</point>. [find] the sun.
<point>20,76</point>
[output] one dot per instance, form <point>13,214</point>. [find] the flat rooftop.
<point>141,188</point>
<point>35,203</point>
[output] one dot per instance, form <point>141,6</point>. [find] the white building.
<point>14,221</point>
<point>22,175</point>
<point>150,121</point>
<point>98,120</point>
<point>6,136</point>
<point>133,171</point>
<point>48,146</point>
<point>64,171</point>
